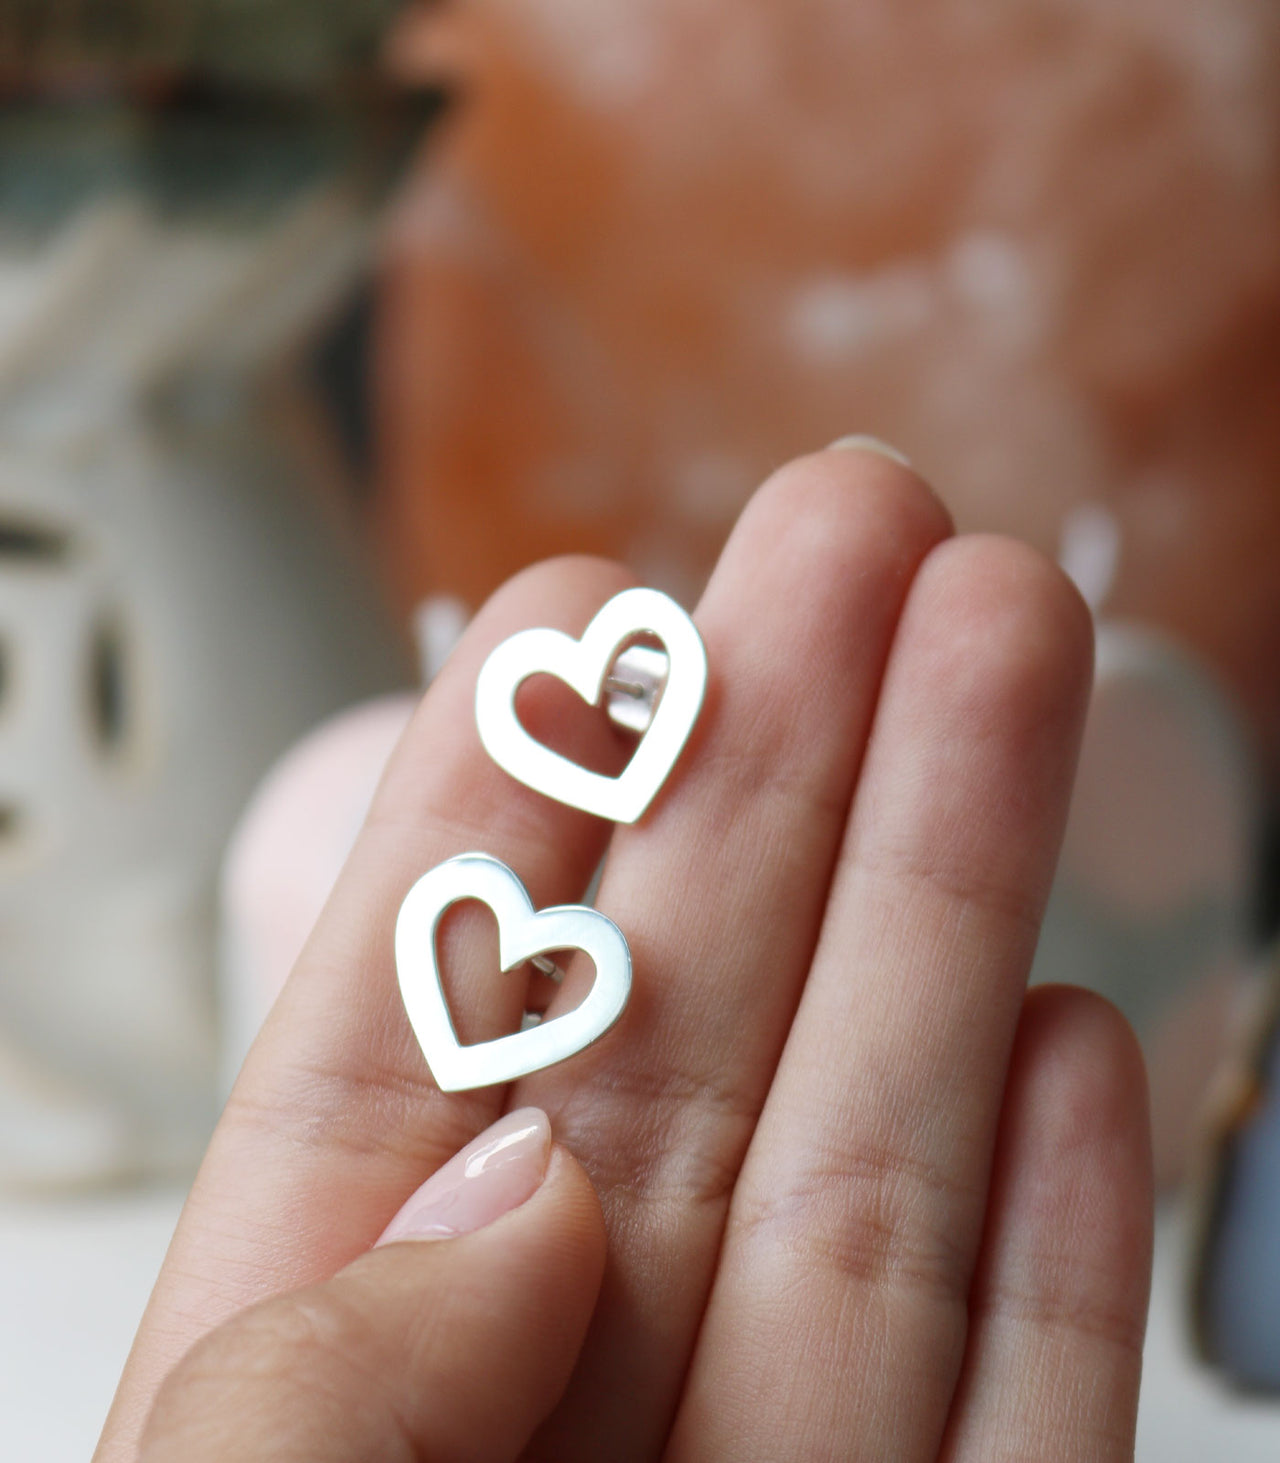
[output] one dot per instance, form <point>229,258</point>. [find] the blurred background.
<point>318,321</point>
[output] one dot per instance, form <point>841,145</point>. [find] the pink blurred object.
<point>287,852</point>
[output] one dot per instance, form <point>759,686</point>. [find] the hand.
<point>863,1197</point>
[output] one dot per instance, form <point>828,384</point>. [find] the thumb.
<point>449,1350</point>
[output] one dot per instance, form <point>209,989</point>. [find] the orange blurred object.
<point>663,245</point>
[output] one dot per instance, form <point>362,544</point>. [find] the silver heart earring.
<point>524,934</point>
<point>655,693</point>
<point>658,693</point>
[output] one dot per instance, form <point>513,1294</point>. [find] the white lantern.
<point>175,608</point>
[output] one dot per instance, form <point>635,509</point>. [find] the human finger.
<point>720,890</point>
<point>1058,1304</point>
<point>858,1214</point>
<point>335,1116</point>
<point>450,1344</point>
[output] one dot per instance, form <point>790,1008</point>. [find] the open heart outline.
<point>583,665</point>
<point>523,932</point>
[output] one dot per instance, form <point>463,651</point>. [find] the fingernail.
<point>493,1174</point>
<point>870,444</point>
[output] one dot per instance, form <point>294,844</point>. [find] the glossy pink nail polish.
<point>492,1175</point>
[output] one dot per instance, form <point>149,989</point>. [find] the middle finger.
<point>720,892</point>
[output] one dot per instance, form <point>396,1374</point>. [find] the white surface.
<point>75,1276</point>
<point>1186,1414</point>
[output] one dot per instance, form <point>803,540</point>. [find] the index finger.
<point>335,1117</point>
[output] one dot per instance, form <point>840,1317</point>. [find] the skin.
<point>835,1187</point>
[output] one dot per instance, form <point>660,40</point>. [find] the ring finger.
<point>859,1212</point>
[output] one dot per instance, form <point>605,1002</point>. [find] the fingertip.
<point>994,594</point>
<point>1085,1077</point>
<point>1058,1306</point>
<point>828,545</point>
<point>501,1314</point>
<point>499,1170</point>
<point>995,652</point>
<point>1083,1047</point>
<point>845,493</point>
<point>456,1348</point>
<point>1076,1150</point>
<point>539,1261</point>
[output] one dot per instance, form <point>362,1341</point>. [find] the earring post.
<point>634,685</point>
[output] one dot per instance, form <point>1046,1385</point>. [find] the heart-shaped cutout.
<point>583,665</point>
<point>523,932</point>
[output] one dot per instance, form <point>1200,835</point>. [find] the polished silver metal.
<point>547,967</point>
<point>666,698</point>
<point>524,934</point>
<point>634,687</point>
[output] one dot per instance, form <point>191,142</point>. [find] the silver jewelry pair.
<point>655,693</point>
